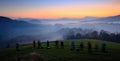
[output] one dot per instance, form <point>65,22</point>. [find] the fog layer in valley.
<point>25,30</point>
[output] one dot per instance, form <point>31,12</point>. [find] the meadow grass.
<point>64,54</point>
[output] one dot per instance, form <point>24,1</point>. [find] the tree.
<point>78,36</point>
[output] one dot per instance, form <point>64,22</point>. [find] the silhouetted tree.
<point>95,35</point>
<point>78,36</point>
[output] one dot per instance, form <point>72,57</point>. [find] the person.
<point>39,44</point>
<point>103,47</point>
<point>62,44</point>
<point>48,44</point>
<point>81,46</point>
<point>89,47</point>
<point>96,47</point>
<point>34,44</point>
<point>73,45</point>
<point>57,44</point>
<point>17,47</point>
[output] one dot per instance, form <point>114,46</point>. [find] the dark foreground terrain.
<point>27,53</point>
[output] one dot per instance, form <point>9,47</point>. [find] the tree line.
<point>102,35</point>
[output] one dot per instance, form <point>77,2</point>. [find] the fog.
<point>53,29</point>
<point>111,26</point>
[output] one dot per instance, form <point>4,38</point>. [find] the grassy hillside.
<point>27,53</point>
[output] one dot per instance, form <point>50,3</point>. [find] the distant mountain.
<point>8,22</point>
<point>5,19</point>
<point>103,20</point>
<point>10,28</point>
<point>111,18</point>
<point>88,18</point>
<point>107,20</point>
<point>30,20</point>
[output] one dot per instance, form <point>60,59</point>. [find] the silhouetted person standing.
<point>89,47</point>
<point>57,44</point>
<point>103,47</point>
<point>73,45</point>
<point>96,47</point>
<point>34,44</point>
<point>62,44</point>
<point>17,47</point>
<point>48,44</point>
<point>39,44</point>
<point>81,46</point>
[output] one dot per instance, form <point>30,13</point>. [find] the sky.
<point>59,8</point>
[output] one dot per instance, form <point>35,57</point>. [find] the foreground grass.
<point>59,54</point>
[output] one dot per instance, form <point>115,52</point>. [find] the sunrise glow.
<point>59,9</point>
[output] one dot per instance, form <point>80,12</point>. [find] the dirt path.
<point>33,56</point>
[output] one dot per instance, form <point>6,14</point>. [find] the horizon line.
<point>60,17</point>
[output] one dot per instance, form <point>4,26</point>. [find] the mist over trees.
<point>25,31</point>
<point>102,35</point>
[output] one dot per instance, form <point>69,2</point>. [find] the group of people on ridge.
<point>39,44</point>
<point>89,46</point>
<point>60,44</point>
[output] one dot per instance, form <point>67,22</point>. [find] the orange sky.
<point>79,11</point>
<point>70,11</point>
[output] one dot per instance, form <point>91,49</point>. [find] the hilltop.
<point>27,53</point>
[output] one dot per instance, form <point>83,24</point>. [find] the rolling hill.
<point>27,53</point>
